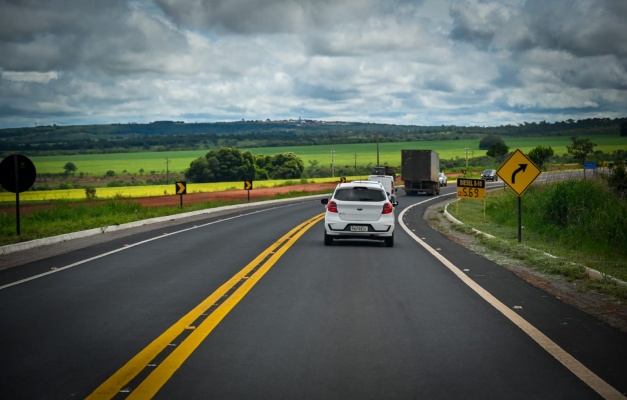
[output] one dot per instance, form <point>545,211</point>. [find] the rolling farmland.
<point>345,154</point>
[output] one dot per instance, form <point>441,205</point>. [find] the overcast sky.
<point>418,62</point>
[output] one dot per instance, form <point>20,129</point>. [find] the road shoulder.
<point>603,307</point>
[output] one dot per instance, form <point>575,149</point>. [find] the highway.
<point>249,304</point>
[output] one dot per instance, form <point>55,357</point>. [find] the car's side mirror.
<point>324,201</point>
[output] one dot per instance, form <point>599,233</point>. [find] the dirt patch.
<point>604,307</point>
<point>231,195</point>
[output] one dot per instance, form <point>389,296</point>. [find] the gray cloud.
<point>104,36</point>
<point>583,28</point>
<point>409,62</point>
<point>273,16</point>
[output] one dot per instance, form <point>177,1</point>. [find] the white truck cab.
<point>388,184</point>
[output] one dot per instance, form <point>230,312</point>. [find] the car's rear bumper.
<point>374,230</point>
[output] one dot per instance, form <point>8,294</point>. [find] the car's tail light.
<point>332,207</point>
<point>387,208</point>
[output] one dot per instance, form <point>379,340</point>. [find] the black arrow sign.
<point>522,168</point>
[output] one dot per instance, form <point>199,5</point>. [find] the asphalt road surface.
<point>252,305</point>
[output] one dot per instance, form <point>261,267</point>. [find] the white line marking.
<point>128,246</point>
<point>590,378</point>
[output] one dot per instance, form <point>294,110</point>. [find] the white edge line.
<point>12,248</point>
<point>590,378</point>
<point>126,247</point>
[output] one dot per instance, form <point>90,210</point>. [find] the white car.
<point>359,210</point>
<point>442,178</point>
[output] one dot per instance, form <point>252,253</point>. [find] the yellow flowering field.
<point>150,190</point>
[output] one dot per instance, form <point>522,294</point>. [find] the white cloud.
<point>32,76</point>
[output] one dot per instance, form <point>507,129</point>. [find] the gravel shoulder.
<point>605,308</point>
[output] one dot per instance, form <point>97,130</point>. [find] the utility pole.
<point>332,163</point>
<point>467,159</point>
<point>167,170</point>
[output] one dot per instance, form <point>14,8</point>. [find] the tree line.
<point>171,135</point>
<point>228,164</point>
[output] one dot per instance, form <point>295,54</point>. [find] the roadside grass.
<point>567,226</point>
<point>69,217</point>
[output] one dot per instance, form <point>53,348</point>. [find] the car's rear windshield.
<point>359,193</point>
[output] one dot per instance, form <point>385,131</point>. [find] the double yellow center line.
<point>239,285</point>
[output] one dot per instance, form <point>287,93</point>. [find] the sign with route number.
<point>471,188</point>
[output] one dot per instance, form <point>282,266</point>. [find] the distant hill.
<point>176,135</point>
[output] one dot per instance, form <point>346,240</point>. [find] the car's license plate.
<point>359,228</point>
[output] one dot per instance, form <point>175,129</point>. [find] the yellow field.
<point>147,191</point>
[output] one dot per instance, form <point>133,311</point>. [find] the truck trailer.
<point>419,171</point>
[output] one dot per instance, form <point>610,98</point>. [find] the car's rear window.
<point>359,193</point>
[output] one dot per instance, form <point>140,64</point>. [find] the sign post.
<point>248,186</point>
<point>471,189</point>
<point>518,172</point>
<point>180,188</point>
<point>17,174</point>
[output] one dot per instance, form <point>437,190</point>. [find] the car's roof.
<point>373,184</point>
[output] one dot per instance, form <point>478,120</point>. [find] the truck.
<point>388,184</point>
<point>384,170</point>
<point>419,171</point>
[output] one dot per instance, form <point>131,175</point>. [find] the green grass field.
<point>345,154</point>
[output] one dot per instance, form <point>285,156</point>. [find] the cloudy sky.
<point>422,62</point>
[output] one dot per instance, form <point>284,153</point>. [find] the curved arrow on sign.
<point>522,168</point>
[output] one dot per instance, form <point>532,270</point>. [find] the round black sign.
<point>17,173</point>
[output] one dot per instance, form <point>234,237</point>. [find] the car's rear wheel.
<point>328,239</point>
<point>389,241</point>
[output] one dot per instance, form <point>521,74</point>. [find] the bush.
<point>617,179</point>
<point>90,192</point>
<point>116,184</point>
<point>66,186</point>
<point>582,214</point>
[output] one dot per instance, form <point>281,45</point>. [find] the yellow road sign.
<point>180,188</point>
<point>471,188</point>
<point>518,172</point>
<point>248,185</point>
